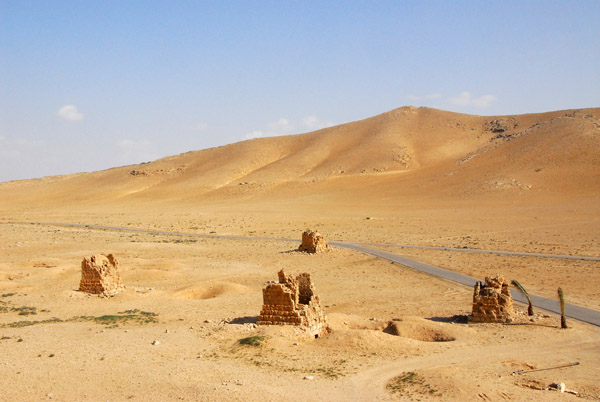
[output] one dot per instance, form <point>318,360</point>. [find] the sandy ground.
<point>205,295</point>
<point>409,176</point>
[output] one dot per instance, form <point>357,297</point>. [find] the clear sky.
<point>89,85</point>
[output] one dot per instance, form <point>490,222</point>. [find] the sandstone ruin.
<point>292,301</point>
<point>313,242</point>
<point>100,275</point>
<point>492,301</point>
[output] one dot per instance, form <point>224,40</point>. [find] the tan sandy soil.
<point>409,176</point>
<point>199,287</point>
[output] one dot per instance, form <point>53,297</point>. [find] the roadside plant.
<point>522,290</point>
<point>563,320</point>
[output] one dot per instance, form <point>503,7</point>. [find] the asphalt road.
<point>474,250</point>
<point>573,311</point>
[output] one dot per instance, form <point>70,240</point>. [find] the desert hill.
<point>411,176</point>
<point>416,152</point>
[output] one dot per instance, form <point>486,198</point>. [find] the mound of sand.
<point>210,290</point>
<point>419,330</point>
<point>425,150</point>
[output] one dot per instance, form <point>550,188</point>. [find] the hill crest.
<point>424,149</point>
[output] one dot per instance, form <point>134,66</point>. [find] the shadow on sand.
<point>294,250</point>
<point>243,320</point>
<point>457,319</point>
<point>532,324</point>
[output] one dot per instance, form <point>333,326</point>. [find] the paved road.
<point>474,250</point>
<point>573,311</point>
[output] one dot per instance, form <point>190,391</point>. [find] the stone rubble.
<point>492,301</point>
<point>292,301</point>
<point>313,242</point>
<point>100,275</point>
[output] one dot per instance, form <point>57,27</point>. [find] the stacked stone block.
<point>100,275</point>
<point>313,242</point>
<point>292,301</point>
<point>492,301</point>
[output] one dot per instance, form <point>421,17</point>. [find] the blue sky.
<point>92,85</point>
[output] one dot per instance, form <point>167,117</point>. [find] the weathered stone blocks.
<point>100,275</point>
<point>313,242</point>
<point>492,301</point>
<point>292,301</point>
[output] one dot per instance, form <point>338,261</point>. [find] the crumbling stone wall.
<point>492,301</point>
<point>313,242</point>
<point>100,275</point>
<point>292,301</point>
<point>306,288</point>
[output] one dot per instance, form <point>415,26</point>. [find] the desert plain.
<point>411,176</point>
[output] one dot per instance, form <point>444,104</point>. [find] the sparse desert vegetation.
<point>183,324</point>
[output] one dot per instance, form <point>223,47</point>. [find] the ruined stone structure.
<point>100,275</point>
<point>313,242</point>
<point>492,301</point>
<point>292,301</point>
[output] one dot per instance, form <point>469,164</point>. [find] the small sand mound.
<point>417,331</point>
<point>210,291</point>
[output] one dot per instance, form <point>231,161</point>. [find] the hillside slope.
<point>418,151</point>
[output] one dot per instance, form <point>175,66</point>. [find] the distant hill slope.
<point>420,152</point>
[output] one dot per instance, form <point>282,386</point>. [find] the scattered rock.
<point>500,126</point>
<point>142,289</point>
<point>534,386</point>
<point>155,342</point>
<point>309,377</point>
<point>497,126</point>
<point>560,386</point>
